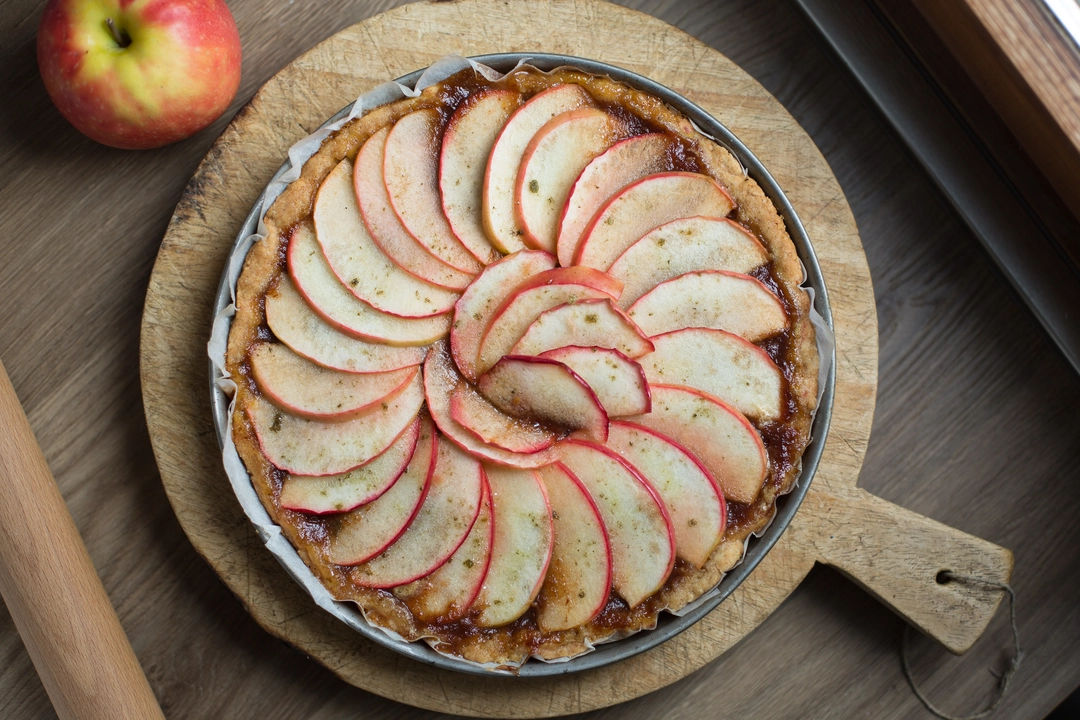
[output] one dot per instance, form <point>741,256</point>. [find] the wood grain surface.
<point>973,425</point>
<point>84,659</point>
<point>1027,66</point>
<point>979,114</point>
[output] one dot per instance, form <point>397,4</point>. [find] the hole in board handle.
<point>943,577</point>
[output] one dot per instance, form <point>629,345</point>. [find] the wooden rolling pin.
<point>53,592</point>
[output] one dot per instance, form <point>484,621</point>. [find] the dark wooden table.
<point>976,426</point>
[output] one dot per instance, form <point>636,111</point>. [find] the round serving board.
<point>893,553</point>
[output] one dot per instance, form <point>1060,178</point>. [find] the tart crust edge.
<point>265,262</point>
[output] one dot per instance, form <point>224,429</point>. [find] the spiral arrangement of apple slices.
<point>515,352</point>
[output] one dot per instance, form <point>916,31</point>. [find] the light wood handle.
<point>897,556</point>
<point>52,591</point>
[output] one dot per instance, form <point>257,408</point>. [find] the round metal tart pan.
<point>668,625</point>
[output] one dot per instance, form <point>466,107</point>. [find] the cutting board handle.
<point>54,594</point>
<point>898,556</point>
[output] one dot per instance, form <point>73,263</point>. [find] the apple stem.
<point>119,36</point>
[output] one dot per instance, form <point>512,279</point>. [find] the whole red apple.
<point>139,74</point>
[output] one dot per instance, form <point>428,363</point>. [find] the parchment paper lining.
<point>269,532</point>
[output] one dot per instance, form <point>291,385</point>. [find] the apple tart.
<point>521,363</point>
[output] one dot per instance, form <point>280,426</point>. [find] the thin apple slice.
<point>385,228</point>
<point>691,495</point>
<point>519,311</point>
<point>411,173</point>
<point>470,134</point>
<point>359,263</point>
<point>440,380</point>
<point>552,161</point>
<point>446,594</point>
<point>301,388</point>
<point>588,323</point>
<point>682,246</point>
<point>340,493</point>
<point>621,164</point>
<point>363,533</point>
<point>717,434</point>
<point>478,303</point>
<point>578,579</point>
<point>618,381</point>
<point>639,529</point>
<point>535,295</point>
<point>294,323</point>
<point>309,447</point>
<point>500,177</point>
<point>487,423</point>
<point>721,364</point>
<point>714,299</point>
<point>644,205</point>
<point>440,527</point>
<point>536,388</point>
<point>521,551</point>
<point>328,297</point>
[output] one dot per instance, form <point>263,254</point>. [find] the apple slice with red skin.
<point>363,533</point>
<point>447,594</point>
<point>578,579</point>
<point>580,275</point>
<point>714,299</point>
<point>618,381</point>
<point>552,161</point>
<point>520,310</point>
<point>482,299</point>
<point>411,173</point>
<point>621,164</point>
<point>644,205</point>
<point>309,447</point>
<point>340,493</point>
<point>721,364</point>
<point>717,434</point>
<point>440,380</point>
<point>294,323</point>
<point>691,495</point>
<point>501,173</point>
<point>532,297</point>
<point>524,533</point>
<point>588,323</point>
<point>359,263</point>
<point>470,134</point>
<point>328,297</point>
<point>487,423</point>
<point>301,388</point>
<point>444,520</point>
<point>639,529</point>
<point>385,228</point>
<point>536,388</point>
<point>682,246</point>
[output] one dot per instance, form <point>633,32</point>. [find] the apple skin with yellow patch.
<point>139,74</point>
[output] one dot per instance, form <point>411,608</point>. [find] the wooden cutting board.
<point>893,553</point>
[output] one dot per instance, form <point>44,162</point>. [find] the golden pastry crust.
<point>514,643</point>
